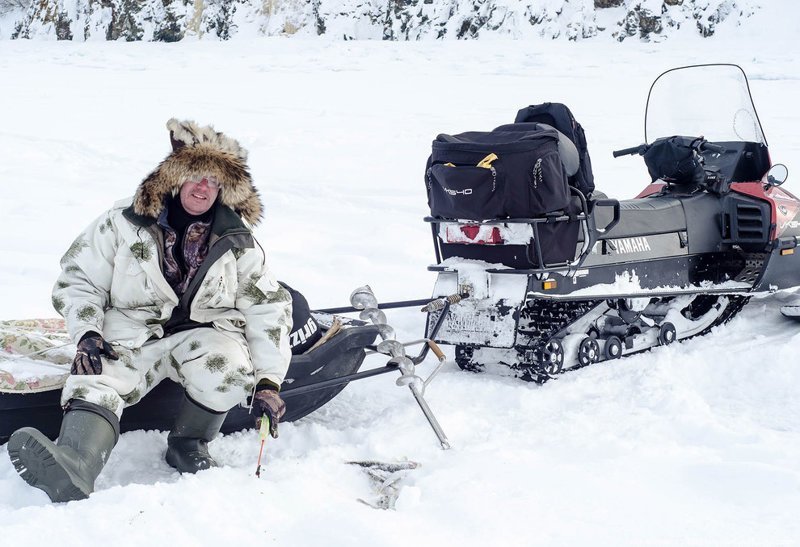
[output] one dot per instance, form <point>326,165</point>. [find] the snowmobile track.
<point>542,321</point>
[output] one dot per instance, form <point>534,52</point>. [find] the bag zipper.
<point>537,173</point>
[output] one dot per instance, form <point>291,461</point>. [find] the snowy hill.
<point>171,20</point>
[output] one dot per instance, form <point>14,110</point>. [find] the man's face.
<point>199,193</point>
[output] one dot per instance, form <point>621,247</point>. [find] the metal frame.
<point>396,351</point>
<point>333,382</point>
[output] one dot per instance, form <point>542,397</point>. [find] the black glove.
<point>267,402</point>
<point>90,347</point>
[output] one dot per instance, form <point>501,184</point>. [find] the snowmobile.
<point>597,278</point>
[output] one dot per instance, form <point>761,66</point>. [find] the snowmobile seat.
<point>642,217</point>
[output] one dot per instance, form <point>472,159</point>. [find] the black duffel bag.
<point>305,329</point>
<point>561,118</point>
<point>496,174</point>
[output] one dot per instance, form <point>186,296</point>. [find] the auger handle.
<point>437,351</point>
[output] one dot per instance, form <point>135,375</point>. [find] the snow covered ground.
<point>696,443</point>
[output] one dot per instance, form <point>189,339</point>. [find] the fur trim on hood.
<point>199,150</point>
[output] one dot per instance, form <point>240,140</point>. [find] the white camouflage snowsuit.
<point>234,329</point>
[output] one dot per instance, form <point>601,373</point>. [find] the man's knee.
<point>122,383</point>
<point>92,389</point>
<point>218,400</point>
<point>217,371</point>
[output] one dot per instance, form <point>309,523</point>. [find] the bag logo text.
<point>301,335</point>
<point>465,192</point>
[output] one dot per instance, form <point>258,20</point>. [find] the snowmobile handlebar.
<point>700,144</point>
<point>708,147</point>
<point>641,149</point>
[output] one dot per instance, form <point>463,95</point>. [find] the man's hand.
<point>268,402</point>
<point>90,347</point>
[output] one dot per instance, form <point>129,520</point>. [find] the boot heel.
<point>66,470</point>
<point>34,458</point>
<point>187,444</point>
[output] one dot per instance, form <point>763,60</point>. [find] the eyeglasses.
<point>213,182</point>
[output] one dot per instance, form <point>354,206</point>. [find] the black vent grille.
<point>749,224</point>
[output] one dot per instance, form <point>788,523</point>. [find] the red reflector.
<point>471,233</point>
<point>470,230</point>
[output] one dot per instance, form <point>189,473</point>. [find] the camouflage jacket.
<point>112,282</point>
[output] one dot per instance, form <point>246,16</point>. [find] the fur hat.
<point>199,150</point>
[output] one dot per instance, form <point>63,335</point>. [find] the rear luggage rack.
<point>590,232</point>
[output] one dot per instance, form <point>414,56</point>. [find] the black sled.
<point>315,376</point>
<point>304,391</point>
<point>581,278</point>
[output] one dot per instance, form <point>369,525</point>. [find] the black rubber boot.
<point>187,443</point>
<point>66,470</point>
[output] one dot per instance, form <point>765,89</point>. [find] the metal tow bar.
<point>364,299</point>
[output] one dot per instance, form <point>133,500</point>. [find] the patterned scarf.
<point>194,246</point>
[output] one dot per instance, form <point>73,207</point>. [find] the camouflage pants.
<point>215,369</point>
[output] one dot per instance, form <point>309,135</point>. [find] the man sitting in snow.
<point>170,285</point>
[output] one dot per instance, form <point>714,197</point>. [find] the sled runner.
<point>550,275</point>
<point>792,312</point>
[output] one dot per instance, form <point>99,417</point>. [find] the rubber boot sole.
<point>38,461</point>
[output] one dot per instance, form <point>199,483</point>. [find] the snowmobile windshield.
<point>712,101</point>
